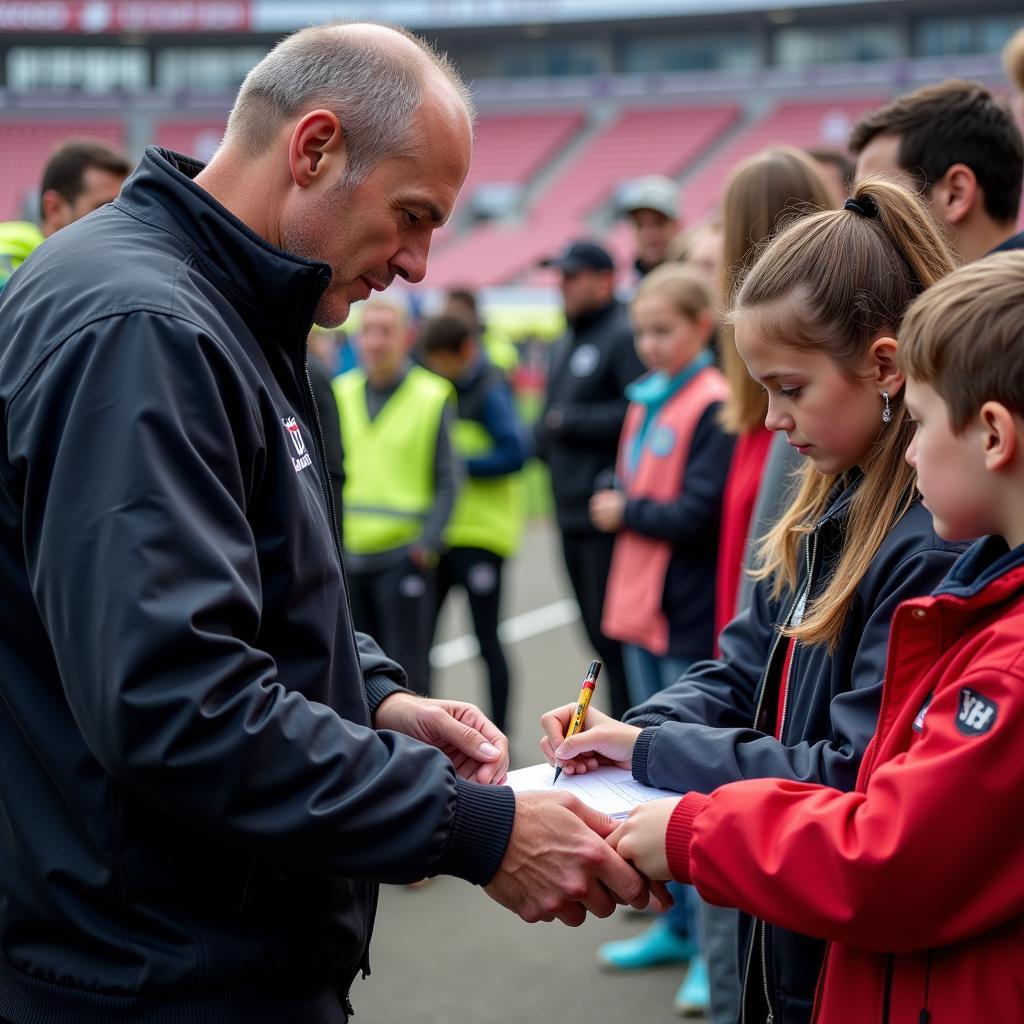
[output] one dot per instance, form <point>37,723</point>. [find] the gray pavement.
<point>445,953</point>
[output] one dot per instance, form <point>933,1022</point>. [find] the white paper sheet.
<point>611,790</point>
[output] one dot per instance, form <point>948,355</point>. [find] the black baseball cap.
<point>581,255</point>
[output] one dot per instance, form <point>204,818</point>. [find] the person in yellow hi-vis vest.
<point>488,519</point>
<point>401,482</point>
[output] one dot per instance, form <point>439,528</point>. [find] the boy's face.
<point>957,488</point>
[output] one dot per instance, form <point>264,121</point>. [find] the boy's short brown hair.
<point>965,337</point>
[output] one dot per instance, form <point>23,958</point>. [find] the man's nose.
<point>410,262</point>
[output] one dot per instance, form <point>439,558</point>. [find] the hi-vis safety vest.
<point>389,463</point>
<point>489,512</point>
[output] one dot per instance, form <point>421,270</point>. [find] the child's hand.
<point>641,838</point>
<point>602,741</point>
<point>608,510</point>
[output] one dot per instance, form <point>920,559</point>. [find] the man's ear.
<point>956,194</point>
<point>999,435</point>
<point>54,210</point>
<point>884,372</point>
<point>316,149</point>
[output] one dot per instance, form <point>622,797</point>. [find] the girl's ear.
<point>882,368</point>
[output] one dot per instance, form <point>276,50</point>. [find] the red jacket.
<point>917,877</point>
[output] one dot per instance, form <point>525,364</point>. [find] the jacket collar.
<point>841,496</point>
<point>593,316</point>
<point>987,572</point>
<point>274,291</point>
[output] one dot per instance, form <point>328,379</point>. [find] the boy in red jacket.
<point>916,878</point>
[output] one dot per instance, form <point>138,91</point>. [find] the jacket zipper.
<point>926,1015</point>
<point>314,416</point>
<point>887,996</point>
<point>811,550</point>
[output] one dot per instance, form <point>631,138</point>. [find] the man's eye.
<point>412,219</point>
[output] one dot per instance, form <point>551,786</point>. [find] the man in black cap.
<point>578,432</point>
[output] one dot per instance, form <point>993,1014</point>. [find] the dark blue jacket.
<point>193,806</point>
<point>716,725</point>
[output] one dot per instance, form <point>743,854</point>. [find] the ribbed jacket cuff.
<point>379,687</point>
<point>680,833</point>
<point>480,831</point>
<point>641,751</point>
<point>642,721</point>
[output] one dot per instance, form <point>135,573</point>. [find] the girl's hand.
<point>608,510</point>
<point>641,838</point>
<point>603,740</point>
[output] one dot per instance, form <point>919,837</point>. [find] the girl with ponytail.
<point>795,693</point>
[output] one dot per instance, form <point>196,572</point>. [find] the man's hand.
<point>557,864</point>
<point>641,837</point>
<point>608,510</point>
<point>602,741</point>
<point>473,743</point>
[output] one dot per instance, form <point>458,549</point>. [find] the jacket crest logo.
<point>301,459</point>
<point>977,714</point>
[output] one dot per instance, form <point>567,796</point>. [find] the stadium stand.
<point>198,138</point>
<point>26,145</point>
<point>823,123</point>
<point>658,141</point>
<point>514,147</point>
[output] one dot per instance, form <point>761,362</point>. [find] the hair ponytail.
<point>839,280</point>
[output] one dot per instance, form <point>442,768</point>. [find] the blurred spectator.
<point>401,482</point>
<point>837,171</point>
<point>80,176</point>
<point>487,523</point>
<point>578,431</point>
<point>652,205</point>
<point>960,145</point>
<point>701,247</point>
<point>1013,61</point>
<point>500,351</point>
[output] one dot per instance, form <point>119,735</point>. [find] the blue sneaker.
<point>694,996</point>
<point>659,944</point>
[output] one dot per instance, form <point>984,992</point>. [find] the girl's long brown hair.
<point>765,192</point>
<point>837,281</point>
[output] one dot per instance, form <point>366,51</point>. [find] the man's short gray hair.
<point>373,88</point>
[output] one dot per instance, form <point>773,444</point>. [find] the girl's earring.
<point>887,411</point>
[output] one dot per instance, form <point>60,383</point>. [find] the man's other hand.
<point>557,864</point>
<point>473,743</point>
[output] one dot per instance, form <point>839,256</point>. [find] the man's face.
<point>99,187</point>
<point>383,341</point>
<point>381,228</point>
<point>653,233</point>
<point>584,291</point>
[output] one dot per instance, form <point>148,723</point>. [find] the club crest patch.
<point>977,714</point>
<point>663,441</point>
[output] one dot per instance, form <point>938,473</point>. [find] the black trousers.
<point>396,607</point>
<point>479,573</point>
<point>588,558</point>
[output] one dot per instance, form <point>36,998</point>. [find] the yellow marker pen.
<point>580,714</point>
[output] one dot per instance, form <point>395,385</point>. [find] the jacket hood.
<point>988,568</point>
<point>275,291</point>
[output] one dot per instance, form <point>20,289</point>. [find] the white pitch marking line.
<point>511,631</point>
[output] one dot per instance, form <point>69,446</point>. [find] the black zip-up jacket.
<point>591,365</point>
<point>193,806</point>
<point>717,724</point>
